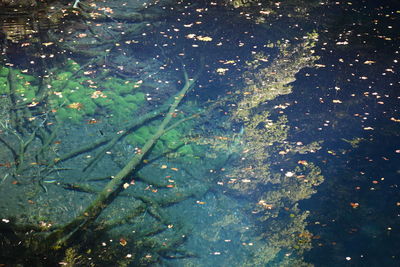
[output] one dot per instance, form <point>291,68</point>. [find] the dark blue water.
<point>274,157</point>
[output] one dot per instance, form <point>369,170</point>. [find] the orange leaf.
<point>123,242</point>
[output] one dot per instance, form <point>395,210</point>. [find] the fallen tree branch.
<point>117,135</point>
<point>61,236</point>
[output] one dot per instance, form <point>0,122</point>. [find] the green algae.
<point>76,99</point>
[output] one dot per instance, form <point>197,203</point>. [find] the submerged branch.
<point>116,136</point>
<point>62,235</point>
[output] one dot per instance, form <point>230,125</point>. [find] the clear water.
<point>273,157</point>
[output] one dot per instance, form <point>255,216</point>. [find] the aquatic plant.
<point>75,100</point>
<point>265,144</point>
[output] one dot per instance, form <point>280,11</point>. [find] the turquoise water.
<point>177,133</point>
